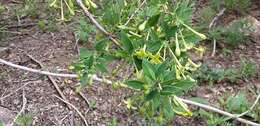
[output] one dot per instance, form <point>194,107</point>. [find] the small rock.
<point>3,51</point>
<point>16,101</point>
<point>6,116</point>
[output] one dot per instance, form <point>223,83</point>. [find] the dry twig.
<point>94,76</point>
<point>135,12</point>
<point>210,108</point>
<point>22,110</point>
<point>213,24</point>
<point>83,96</point>
<point>50,77</point>
<point>80,114</point>
<point>94,21</point>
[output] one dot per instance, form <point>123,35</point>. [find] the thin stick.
<point>94,21</point>
<point>110,82</point>
<point>94,76</point>
<point>214,47</point>
<point>2,98</point>
<point>135,12</point>
<point>37,71</point>
<point>251,108</point>
<point>80,114</point>
<point>211,25</point>
<point>83,96</point>
<point>213,22</point>
<point>22,110</point>
<point>50,77</point>
<point>220,112</point>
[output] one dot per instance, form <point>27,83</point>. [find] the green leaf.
<point>160,70</point>
<point>148,70</point>
<point>176,88</point>
<point>199,100</point>
<point>85,53</point>
<point>135,84</point>
<point>89,62</point>
<point>84,79</point>
<point>153,20</point>
<point>137,62</point>
<point>24,119</point>
<point>101,44</point>
<point>151,95</point>
<point>169,30</point>
<point>167,108</point>
<point>101,67</point>
<point>127,43</point>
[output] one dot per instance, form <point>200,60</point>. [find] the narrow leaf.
<point>153,20</point>
<point>148,70</point>
<point>135,84</point>
<point>127,43</point>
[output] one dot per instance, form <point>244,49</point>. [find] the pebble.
<point>16,101</point>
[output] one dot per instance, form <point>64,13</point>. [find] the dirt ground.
<point>56,52</point>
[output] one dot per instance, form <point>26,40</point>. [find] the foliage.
<point>113,122</point>
<point>24,119</point>
<point>233,34</point>
<point>212,119</point>
<point>233,104</point>
<point>237,4</point>
<point>247,69</point>
<point>83,31</point>
<point>2,8</point>
<point>155,43</point>
<point>61,5</point>
<point>206,16</point>
<point>238,103</point>
<point>45,25</point>
<point>29,9</point>
<point>2,32</point>
<point>92,104</point>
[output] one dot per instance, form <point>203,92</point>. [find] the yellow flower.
<point>186,114</point>
<point>156,59</point>
<point>202,36</point>
<point>141,52</point>
<point>200,50</point>
<point>184,107</point>
<point>129,103</point>
<point>194,64</point>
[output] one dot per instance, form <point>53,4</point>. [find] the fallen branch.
<point>83,96</point>
<point>22,109</point>
<point>37,71</point>
<point>50,77</point>
<point>214,47</point>
<point>213,22</point>
<point>80,114</point>
<point>211,25</point>
<point>210,108</point>
<point>94,21</point>
<point>94,77</point>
